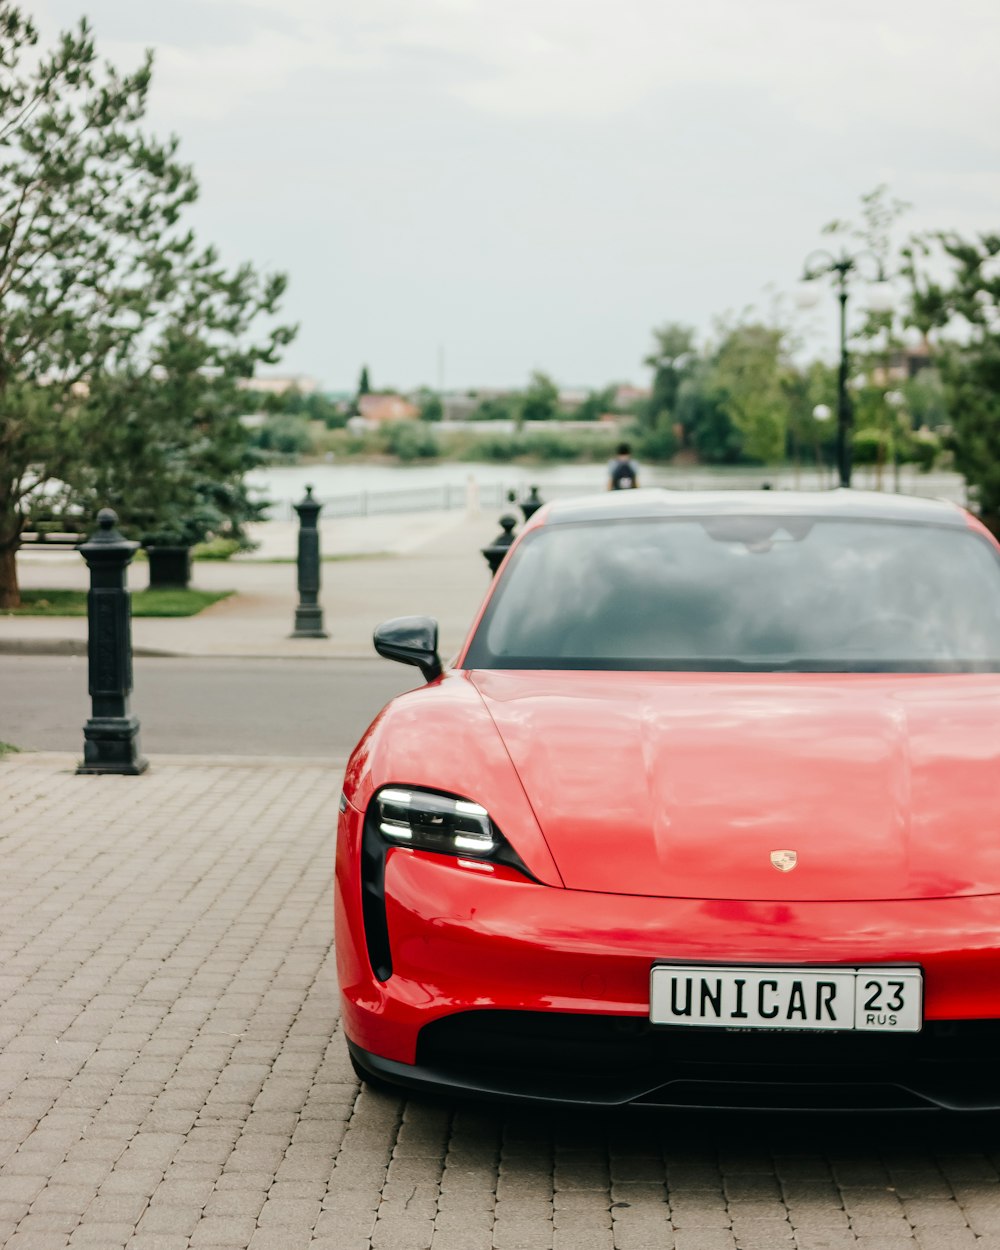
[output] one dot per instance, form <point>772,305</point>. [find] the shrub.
<point>869,445</point>
<point>283,436</point>
<point>411,441</point>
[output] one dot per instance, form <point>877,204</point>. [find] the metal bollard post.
<point>111,736</point>
<point>531,505</point>
<point>495,552</point>
<point>308,613</point>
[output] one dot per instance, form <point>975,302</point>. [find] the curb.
<point>77,647</point>
<point>63,646</point>
<point>67,760</point>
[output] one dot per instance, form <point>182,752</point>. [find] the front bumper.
<point>613,1061</point>
<point>497,979</point>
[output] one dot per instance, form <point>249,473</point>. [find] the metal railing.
<point>447,497</point>
<point>495,496</point>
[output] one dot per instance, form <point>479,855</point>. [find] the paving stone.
<point>951,1239</point>
<point>51,1222</point>
<point>704,1239</point>
<point>116,1208</point>
<point>35,1241</point>
<point>168,1023</point>
<point>156,1241</point>
<point>102,1236</point>
<point>825,1239</point>
<point>169,1219</point>
<point>223,1231</point>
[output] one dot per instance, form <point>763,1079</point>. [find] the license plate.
<point>887,1000</point>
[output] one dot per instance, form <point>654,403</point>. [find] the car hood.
<point>684,785</point>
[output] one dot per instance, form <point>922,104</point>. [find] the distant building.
<point>381,408</point>
<point>626,396</point>
<point>459,406</point>
<point>902,364</point>
<point>279,384</point>
<point>571,398</point>
<point>374,411</point>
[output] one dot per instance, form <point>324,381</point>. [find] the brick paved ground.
<point>172,1075</point>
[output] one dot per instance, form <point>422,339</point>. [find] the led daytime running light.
<point>436,822</point>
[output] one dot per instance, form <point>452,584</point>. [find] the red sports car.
<point>706,812</point>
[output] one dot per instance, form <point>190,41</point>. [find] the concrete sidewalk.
<point>374,568</point>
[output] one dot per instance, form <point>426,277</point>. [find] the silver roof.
<point>649,503</point>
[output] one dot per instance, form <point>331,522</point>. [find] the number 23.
<point>894,1004</point>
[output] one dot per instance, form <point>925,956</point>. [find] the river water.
<point>353,488</point>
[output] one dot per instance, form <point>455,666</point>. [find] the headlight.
<point>427,821</point>
<point>437,822</point>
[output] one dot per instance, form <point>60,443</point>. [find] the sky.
<point>463,191</point>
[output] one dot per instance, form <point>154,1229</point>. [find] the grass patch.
<point>220,549</point>
<point>144,602</point>
<point>8,748</point>
<point>352,555</point>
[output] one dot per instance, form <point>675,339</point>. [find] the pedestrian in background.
<point>623,472</point>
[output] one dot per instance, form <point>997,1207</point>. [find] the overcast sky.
<point>521,184</point>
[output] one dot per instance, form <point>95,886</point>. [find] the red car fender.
<point>442,737</point>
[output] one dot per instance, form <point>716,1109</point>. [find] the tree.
<point>172,450</point>
<point>596,404</point>
<point>540,402</point>
<point>364,386</point>
<point>96,274</point>
<point>672,358</point>
<point>748,373</point>
<point>707,427</point>
<point>497,408</point>
<point>962,310</point>
<point>430,405</point>
<point>805,390</point>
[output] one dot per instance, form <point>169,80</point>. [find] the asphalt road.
<point>206,706</point>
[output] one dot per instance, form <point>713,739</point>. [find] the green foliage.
<point>282,436</point>
<point>221,549</point>
<point>549,445</point>
<point>122,340</point>
<point>410,440</point>
<point>969,368</point>
<point>925,400</point>
<point>869,445</point>
<point>708,428</point>
<point>671,360</point>
<point>730,404</point>
<point>748,376</point>
<point>364,385</point>
<point>596,405</point>
<point>805,390</point>
<point>144,602</point>
<point>429,403</point>
<point>498,408</point>
<point>540,402</point>
<point>656,443</point>
<point>314,407</point>
<point>924,451</point>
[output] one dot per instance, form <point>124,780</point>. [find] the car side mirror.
<point>410,640</point>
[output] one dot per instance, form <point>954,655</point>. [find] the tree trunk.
<point>10,595</point>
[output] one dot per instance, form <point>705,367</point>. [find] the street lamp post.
<point>822,264</point>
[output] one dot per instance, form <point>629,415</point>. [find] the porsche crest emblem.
<point>784,861</point>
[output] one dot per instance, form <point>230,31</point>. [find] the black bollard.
<point>308,614</point>
<point>531,505</point>
<point>111,736</point>
<point>495,552</point>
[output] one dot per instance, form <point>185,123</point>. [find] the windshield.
<point>731,592</point>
